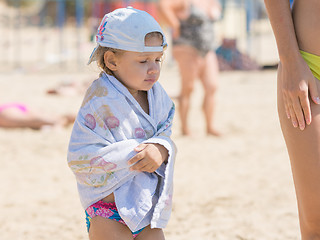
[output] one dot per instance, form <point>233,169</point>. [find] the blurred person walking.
<point>193,49</point>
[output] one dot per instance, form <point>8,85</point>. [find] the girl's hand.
<point>149,158</point>
<point>297,82</point>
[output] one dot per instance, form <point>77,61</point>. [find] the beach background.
<point>234,187</point>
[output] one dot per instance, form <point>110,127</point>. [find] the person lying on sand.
<point>19,115</point>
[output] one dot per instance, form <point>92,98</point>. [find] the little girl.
<point>120,148</point>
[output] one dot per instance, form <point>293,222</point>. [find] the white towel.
<point>109,125</point>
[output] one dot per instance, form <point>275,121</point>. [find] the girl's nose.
<point>153,68</point>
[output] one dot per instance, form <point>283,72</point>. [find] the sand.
<point>238,186</point>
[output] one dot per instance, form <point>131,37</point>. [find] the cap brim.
<point>93,55</point>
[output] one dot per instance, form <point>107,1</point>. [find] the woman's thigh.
<point>304,152</point>
<point>209,71</point>
<point>188,62</point>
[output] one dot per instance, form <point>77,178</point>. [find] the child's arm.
<point>157,150</point>
<point>168,11</point>
<point>149,158</point>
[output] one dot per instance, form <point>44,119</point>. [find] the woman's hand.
<point>149,158</point>
<point>297,82</point>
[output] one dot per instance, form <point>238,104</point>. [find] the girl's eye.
<point>156,60</point>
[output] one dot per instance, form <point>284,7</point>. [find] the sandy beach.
<point>238,186</point>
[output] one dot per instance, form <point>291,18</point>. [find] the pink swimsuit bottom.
<point>22,107</point>
<point>105,210</point>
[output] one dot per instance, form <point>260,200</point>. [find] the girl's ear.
<point>110,60</point>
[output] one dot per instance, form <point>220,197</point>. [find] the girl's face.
<point>139,71</point>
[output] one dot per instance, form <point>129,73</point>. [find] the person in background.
<point>297,34</point>
<point>193,49</point>
<point>19,115</point>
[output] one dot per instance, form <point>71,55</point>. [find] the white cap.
<point>125,29</point>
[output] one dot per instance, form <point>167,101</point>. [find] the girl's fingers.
<point>286,106</point>
<point>313,89</point>
<point>316,100</point>
<point>305,105</point>
<point>143,166</point>
<point>292,116</point>
<point>139,165</point>
<point>135,159</point>
<point>299,117</point>
<point>147,168</point>
<point>141,147</point>
<point>287,111</point>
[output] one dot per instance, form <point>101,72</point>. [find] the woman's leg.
<point>187,59</point>
<point>107,229</point>
<point>209,72</point>
<point>304,152</point>
<point>150,234</point>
